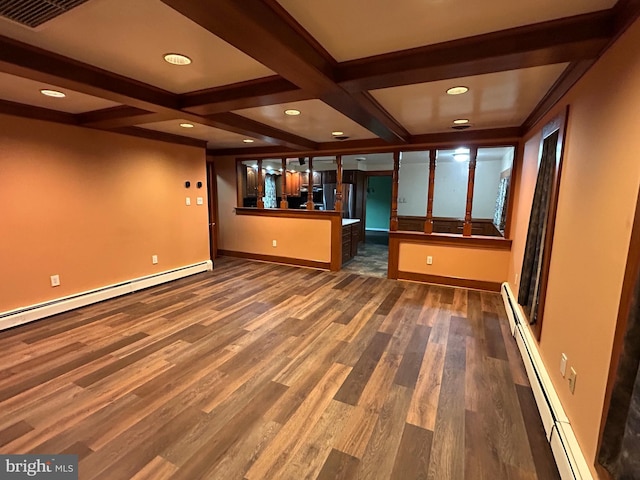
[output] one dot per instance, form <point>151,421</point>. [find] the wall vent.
<point>33,13</point>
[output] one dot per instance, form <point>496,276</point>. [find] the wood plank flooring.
<point>259,371</point>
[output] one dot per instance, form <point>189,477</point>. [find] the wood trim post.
<point>310,186</point>
<point>283,198</point>
<point>428,224</point>
<point>473,154</point>
<point>260,202</point>
<point>393,224</point>
<point>339,199</point>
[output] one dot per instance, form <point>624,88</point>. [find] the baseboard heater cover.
<point>31,313</point>
<point>564,445</point>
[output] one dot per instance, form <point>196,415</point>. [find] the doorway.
<point>373,255</point>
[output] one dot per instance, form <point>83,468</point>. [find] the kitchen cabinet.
<point>251,184</point>
<point>329,176</point>
<point>350,239</point>
<point>317,178</point>
<point>349,176</point>
<point>293,184</point>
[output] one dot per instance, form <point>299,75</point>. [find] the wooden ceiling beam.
<point>121,116</point>
<point>263,31</point>
<point>253,93</point>
<point>565,40</point>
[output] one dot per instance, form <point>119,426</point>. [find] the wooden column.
<point>338,205</point>
<point>428,224</point>
<point>466,229</point>
<point>283,199</point>
<point>310,186</point>
<point>260,186</point>
<point>394,193</point>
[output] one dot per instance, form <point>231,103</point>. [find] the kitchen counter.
<point>349,221</point>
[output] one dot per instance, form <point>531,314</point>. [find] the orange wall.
<point>305,239</point>
<point>455,261</point>
<point>92,207</point>
<point>598,191</point>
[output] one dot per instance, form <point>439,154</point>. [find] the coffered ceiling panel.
<point>351,29</point>
<point>22,90</point>
<point>131,37</point>
<point>316,121</point>
<point>495,100</point>
<point>214,137</point>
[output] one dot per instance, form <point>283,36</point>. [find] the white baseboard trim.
<point>19,316</point>
<point>564,445</point>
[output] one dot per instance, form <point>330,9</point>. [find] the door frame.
<point>212,202</point>
<point>376,173</point>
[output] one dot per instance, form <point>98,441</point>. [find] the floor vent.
<point>33,13</point>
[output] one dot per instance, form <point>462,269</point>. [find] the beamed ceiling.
<point>377,70</point>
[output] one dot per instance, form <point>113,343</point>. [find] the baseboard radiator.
<point>564,445</point>
<point>31,313</point>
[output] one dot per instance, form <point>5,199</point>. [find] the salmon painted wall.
<point>598,191</point>
<point>92,207</point>
<point>305,239</point>
<point>455,261</point>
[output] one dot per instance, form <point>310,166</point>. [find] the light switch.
<point>563,365</point>
<point>199,201</point>
<point>188,201</point>
<point>572,380</point>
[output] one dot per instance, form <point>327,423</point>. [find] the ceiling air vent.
<point>33,13</point>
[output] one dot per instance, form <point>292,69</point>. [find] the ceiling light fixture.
<point>292,112</point>
<point>247,140</point>
<point>457,90</point>
<point>461,155</point>
<point>177,59</point>
<point>52,93</point>
<point>461,121</point>
<point>337,133</point>
<point>186,125</point>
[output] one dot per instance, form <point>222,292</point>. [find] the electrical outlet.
<point>429,260</point>
<point>563,365</point>
<point>55,280</point>
<point>154,259</point>
<point>274,243</point>
<point>572,380</point>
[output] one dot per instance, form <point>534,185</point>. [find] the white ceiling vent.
<point>33,13</point>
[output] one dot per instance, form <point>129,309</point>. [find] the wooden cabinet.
<point>293,184</point>
<point>350,239</point>
<point>329,176</point>
<point>251,185</point>
<point>317,178</point>
<point>349,176</point>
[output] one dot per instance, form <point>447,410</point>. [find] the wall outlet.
<point>429,260</point>
<point>572,380</point>
<point>154,259</point>
<point>188,201</point>
<point>55,280</point>
<point>563,365</point>
<point>274,243</point>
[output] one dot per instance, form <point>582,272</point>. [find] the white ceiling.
<point>355,29</point>
<point>130,37</point>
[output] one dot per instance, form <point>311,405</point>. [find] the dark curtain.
<point>620,448</point>
<point>534,250</point>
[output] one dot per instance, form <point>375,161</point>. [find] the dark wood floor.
<point>264,371</point>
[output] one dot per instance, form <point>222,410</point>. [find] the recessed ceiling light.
<point>247,140</point>
<point>457,90</point>
<point>337,133</point>
<point>461,121</point>
<point>292,111</point>
<point>186,125</point>
<point>177,59</point>
<point>462,150</point>
<point>52,93</point>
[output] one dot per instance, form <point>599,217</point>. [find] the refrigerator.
<point>348,199</point>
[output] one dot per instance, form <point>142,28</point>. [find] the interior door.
<point>213,210</point>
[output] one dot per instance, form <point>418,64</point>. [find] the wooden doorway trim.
<point>558,124</point>
<point>212,197</point>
